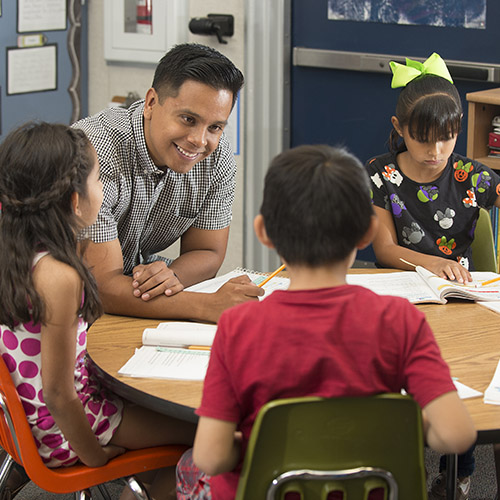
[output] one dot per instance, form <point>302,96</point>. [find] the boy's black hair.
<point>431,108</point>
<point>192,61</point>
<point>317,204</point>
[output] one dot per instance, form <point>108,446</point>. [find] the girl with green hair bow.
<point>426,196</point>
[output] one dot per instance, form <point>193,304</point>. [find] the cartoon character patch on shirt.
<point>397,205</point>
<point>428,193</point>
<point>387,203</point>
<point>446,246</point>
<point>413,234</point>
<point>445,219</point>
<point>392,175</point>
<point>463,261</point>
<point>462,170</point>
<point>376,180</point>
<point>481,181</point>
<point>470,200</point>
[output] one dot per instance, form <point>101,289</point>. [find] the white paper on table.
<point>212,285</point>
<point>167,362</point>
<point>466,392</point>
<point>492,393</point>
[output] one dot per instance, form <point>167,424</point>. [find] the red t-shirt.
<point>331,342</point>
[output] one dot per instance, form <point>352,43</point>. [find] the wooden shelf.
<point>483,106</point>
<point>493,163</point>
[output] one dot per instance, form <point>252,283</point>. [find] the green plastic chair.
<point>316,447</point>
<point>483,246</point>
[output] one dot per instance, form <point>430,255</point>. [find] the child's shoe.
<point>438,488</point>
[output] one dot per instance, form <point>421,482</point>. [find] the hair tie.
<point>433,65</point>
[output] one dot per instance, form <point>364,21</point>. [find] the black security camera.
<point>214,24</point>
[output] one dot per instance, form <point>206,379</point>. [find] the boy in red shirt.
<point>321,337</point>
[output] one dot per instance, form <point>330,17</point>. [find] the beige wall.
<point>107,79</point>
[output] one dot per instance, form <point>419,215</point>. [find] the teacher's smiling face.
<point>186,128</point>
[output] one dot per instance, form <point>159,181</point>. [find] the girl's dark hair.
<point>317,204</point>
<point>431,109</point>
<point>41,165</point>
<point>192,61</point>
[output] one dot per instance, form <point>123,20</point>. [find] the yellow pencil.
<point>199,347</point>
<point>406,262</point>
<point>272,275</point>
<point>490,281</point>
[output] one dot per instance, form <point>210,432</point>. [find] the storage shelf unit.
<point>483,106</point>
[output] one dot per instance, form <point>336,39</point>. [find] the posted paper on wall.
<point>31,69</point>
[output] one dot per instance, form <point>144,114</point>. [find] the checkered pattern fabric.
<point>145,208</point>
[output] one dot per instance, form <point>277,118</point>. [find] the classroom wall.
<point>107,79</point>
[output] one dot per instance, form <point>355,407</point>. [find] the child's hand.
<point>449,269</point>
<point>151,280</point>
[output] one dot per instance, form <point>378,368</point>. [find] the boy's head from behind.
<point>317,205</point>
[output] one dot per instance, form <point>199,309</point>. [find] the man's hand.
<point>151,280</point>
<point>235,291</point>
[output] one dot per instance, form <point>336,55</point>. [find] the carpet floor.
<point>483,485</point>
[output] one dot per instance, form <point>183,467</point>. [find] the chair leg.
<point>5,470</point>
<point>83,495</point>
<point>136,487</point>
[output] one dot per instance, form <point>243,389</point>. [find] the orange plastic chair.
<point>17,440</point>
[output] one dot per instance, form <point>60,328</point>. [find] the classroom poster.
<point>445,13</point>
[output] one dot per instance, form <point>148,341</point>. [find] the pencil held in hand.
<point>272,275</point>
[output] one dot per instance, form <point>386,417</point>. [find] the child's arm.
<point>60,288</point>
<point>389,253</point>
<point>216,446</point>
<point>448,427</point>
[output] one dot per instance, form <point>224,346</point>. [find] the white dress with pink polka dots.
<point>20,349</point>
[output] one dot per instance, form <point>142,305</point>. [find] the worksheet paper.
<point>466,392</point>
<point>492,393</point>
<point>212,285</point>
<point>167,362</point>
<point>492,306</point>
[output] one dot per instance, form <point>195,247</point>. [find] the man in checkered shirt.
<point>168,172</point>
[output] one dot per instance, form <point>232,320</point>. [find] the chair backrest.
<point>483,246</point>
<point>370,436</point>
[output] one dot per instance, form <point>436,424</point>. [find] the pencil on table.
<point>272,275</point>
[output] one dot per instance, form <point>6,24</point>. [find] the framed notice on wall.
<point>32,69</point>
<point>41,15</point>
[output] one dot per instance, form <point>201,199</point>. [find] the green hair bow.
<point>402,74</point>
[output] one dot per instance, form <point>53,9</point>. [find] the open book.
<point>212,285</point>
<point>172,350</point>
<point>179,334</point>
<point>422,286</point>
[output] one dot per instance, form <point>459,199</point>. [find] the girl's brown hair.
<point>41,166</point>
<point>431,108</point>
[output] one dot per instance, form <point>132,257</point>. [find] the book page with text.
<point>406,284</point>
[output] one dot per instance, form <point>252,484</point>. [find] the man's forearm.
<point>117,297</point>
<point>195,266</point>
